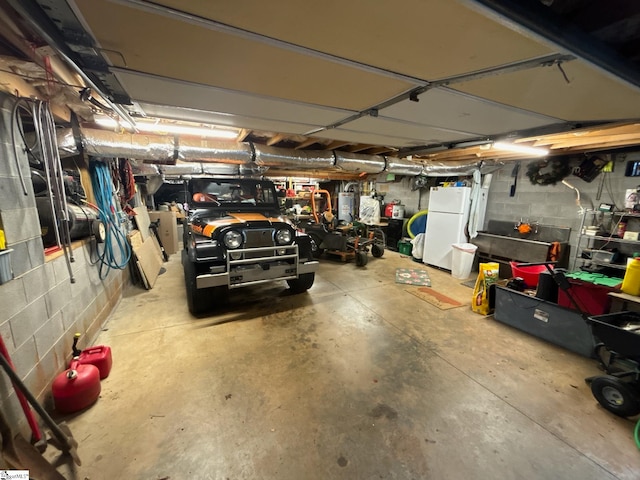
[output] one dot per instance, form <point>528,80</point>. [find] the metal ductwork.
<point>401,166</point>
<point>461,169</point>
<point>294,159</point>
<point>358,163</point>
<point>181,156</point>
<point>105,143</point>
<point>193,150</point>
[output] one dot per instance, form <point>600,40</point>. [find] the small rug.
<point>412,276</point>
<point>435,298</point>
<point>469,283</point>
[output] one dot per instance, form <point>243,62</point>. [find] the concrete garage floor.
<point>356,379</point>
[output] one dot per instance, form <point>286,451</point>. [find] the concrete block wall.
<point>556,204</point>
<point>400,189</point>
<point>40,309</point>
<point>550,204</point>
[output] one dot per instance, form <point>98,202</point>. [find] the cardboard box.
<point>167,230</point>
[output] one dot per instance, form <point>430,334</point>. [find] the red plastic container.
<point>388,210</point>
<point>592,299</point>
<point>528,274</point>
<point>100,356</point>
<point>76,388</point>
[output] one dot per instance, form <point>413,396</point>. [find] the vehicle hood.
<point>207,227</point>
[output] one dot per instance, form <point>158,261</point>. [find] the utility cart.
<point>613,338</point>
<point>619,356</point>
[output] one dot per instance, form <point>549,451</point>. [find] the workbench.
<point>624,302</point>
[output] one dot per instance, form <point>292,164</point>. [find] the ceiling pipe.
<point>402,166</point>
<point>297,159</point>
<point>179,156</point>
<point>462,168</point>
<point>359,163</point>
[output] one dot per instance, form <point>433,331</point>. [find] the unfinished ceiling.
<point>406,78</point>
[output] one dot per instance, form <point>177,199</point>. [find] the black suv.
<point>235,236</point>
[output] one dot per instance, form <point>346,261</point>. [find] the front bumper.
<point>269,267</point>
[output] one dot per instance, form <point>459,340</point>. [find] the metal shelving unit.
<point>585,242</point>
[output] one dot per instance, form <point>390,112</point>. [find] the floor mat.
<point>413,276</point>
<point>435,298</point>
<point>469,283</point>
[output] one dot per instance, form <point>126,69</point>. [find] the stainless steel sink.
<point>502,243</point>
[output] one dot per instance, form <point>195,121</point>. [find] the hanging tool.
<point>36,435</point>
<point>61,432</point>
<point>514,174</point>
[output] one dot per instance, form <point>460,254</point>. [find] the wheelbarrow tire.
<point>615,395</point>
<point>377,250</point>
<point>361,259</point>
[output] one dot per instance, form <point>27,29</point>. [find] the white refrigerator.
<point>446,221</point>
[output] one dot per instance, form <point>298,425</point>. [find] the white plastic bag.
<point>369,210</point>
<point>418,245</point>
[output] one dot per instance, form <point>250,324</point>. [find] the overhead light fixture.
<point>512,147</point>
<point>157,127</point>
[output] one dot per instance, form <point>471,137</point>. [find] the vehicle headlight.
<point>232,239</point>
<point>283,236</point>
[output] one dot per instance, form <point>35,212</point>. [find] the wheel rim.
<point>613,396</point>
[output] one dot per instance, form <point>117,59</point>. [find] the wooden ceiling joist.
<point>307,143</point>
<point>276,139</point>
<point>244,133</point>
<point>336,144</point>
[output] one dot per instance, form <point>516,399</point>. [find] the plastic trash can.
<point>462,259</point>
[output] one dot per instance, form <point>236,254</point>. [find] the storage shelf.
<point>609,239</point>
<point>582,246</point>
<point>617,266</point>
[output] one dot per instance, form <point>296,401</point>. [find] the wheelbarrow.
<point>617,351</point>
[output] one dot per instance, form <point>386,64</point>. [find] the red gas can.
<point>76,388</point>
<point>388,210</point>
<point>100,356</point>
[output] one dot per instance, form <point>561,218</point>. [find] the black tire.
<point>301,284</point>
<point>377,250</point>
<point>361,259</point>
<point>198,300</point>
<point>615,395</point>
<point>316,241</point>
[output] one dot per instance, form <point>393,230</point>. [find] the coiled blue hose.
<point>116,250</point>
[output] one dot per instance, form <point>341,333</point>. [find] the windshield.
<point>232,192</point>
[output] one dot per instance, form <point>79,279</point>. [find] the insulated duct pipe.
<point>288,158</point>
<point>358,163</point>
<point>461,169</point>
<point>208,150</point>
<point>105,143</point>
<point>402,166</point>
<point>250,158</point>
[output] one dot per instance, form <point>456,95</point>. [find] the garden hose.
<point>413,219</point>
<point>116,250</point>
<point>636,434</point>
